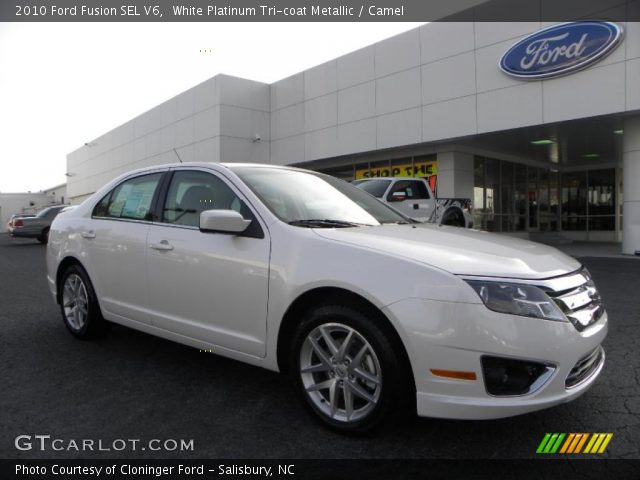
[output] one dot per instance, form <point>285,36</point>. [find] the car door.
<point>209,286</point>
<point>115,239</point>
<point>412,198</point>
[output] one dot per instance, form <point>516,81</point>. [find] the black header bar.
<point>317,10</point>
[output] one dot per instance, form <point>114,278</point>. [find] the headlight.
<point>517,299</point>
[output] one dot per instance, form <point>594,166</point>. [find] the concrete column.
<point>455,174</point>
<point>631,185</point>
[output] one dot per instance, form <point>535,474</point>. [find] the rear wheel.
<point>346,369</point>
<point>79,305</point>
<point>453,218</point>
<point>44,236</point>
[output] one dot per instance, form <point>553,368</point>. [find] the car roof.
<point>229,166</point>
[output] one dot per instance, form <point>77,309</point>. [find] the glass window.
<point>102,207</point>
<point>315,200</point>
<point>602,192</point>
<point>479,209</point>
<point>47,212</point>
<point>543,197</point>
<point>574,200</point>
<point>533,197</point>
<point>373,187</point>
<point>478,184</point>
<point>362,171</point>
<point>492,194</point>
<point>507,191</point>
<point>192,192</point>
<point>521,197</point>
<point>131,199</point>
<point>602,199</point>
<point>380,169</point>
<point>412,189</point>
<point>401,167</point>
<point>554,201</point>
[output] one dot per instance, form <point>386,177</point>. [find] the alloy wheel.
<point>75,302</point>
<point>340,372</point>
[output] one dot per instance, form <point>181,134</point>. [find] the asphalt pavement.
<point>130,385</point>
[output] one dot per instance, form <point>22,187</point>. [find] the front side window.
<point>411,190</point>
<point>192,192</point>
<point>131,199</point>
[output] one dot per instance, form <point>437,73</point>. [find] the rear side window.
<point>131,199</point>
<point>44,213</point>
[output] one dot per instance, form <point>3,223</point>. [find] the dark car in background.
<point>35,227</point>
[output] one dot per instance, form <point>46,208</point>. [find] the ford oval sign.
<point>561,49</point>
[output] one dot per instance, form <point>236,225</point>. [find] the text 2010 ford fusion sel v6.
<point>301,272</point>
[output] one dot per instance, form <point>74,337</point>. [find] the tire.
<point>44,236</point>
<point>366,375</point>
<point>453,218</point>
<point>79,305</point>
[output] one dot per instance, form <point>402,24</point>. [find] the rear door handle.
<point>163,246</point>
<point>88,234</point>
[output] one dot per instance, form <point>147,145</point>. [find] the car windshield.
<point>309,199</point>
<point>374,187</point>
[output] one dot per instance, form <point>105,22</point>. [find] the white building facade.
<point>548,156</point>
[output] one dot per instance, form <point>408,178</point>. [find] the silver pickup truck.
<point>414,198</point>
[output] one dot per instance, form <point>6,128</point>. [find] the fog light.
<point>507,377</point>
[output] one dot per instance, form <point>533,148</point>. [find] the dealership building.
<point>550,147</point>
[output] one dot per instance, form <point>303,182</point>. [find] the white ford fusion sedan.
<point>296,271</point>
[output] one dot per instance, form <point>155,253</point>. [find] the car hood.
<point>460,251</point>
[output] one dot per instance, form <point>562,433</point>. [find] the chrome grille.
<point>586,367</point>
<point>581,303</point>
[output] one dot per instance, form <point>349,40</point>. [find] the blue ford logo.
<point>561,49</point>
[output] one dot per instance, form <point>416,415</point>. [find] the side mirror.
<point>397,197</point>
<point>223,221</point>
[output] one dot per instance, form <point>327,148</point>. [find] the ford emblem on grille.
<point>561,49</point>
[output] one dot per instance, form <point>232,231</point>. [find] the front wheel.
<point>79,305</point>
<point>345,368</point>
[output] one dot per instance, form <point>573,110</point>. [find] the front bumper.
<point>454,336</point>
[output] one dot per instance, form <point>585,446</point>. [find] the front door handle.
<point>88,234</point>
<point>163,246</point>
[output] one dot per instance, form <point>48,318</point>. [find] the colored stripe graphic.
<point>605,443</point>
<point>567,443</point>
<point>556,443</point>
<point>591,442</point>
<point>598,442</point>
<point>550,443</point>
<point>543,443</point>
<point>574,444</point>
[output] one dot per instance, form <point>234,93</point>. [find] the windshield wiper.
<point>324,223</point>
